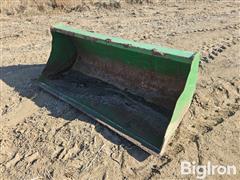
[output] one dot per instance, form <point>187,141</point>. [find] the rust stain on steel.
<point>149,85</point>
<point>127,45</point>
<point>157,53</point>
<point>108,40</point>
<point>93,39</point>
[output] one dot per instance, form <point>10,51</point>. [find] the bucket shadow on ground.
<point>23,78</point>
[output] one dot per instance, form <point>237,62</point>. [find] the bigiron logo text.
<point>202,171</point>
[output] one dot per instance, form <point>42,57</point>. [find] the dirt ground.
<point>42,137</point>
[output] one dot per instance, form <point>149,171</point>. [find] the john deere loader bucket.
<point>140,91</point>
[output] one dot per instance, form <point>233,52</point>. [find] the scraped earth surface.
<point>42,137</point>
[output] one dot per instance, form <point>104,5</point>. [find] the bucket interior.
<point>132,92</point>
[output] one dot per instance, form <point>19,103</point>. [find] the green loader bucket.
<point>140,91</point>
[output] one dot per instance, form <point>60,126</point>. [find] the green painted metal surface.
<point>141,91</point>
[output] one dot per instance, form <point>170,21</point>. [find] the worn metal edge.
<point>134,141</point>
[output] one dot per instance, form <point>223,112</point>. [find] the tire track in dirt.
<point>219,87</point>
<point>211,51</point>
<point>235,26</point>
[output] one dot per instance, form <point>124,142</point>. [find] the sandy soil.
<point>42,137</point>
